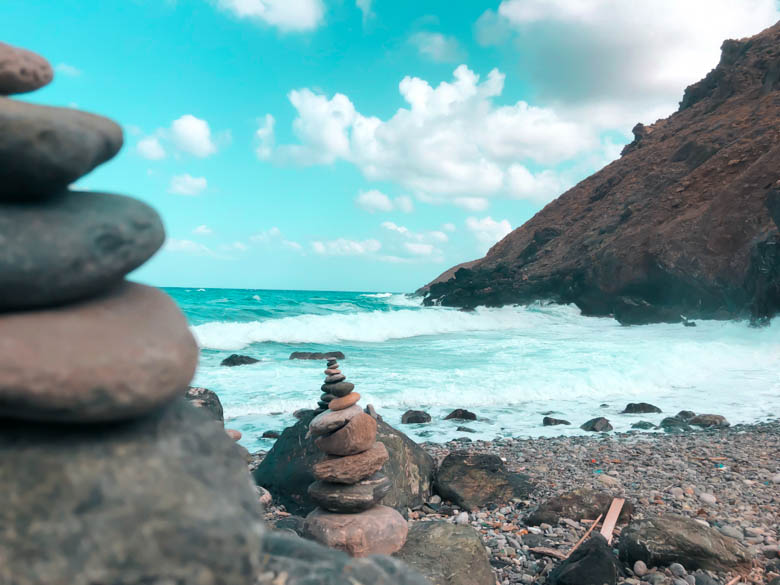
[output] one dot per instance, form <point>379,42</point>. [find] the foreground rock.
<point>447,554</point>
<point>591,564</point>
<point>640,408</point>
<point>207,400</point>
<point>670,539</point>
<point>548,421</point>
<point>45,149</point>
<point>238,360</point>
<point>705,248</point>
<point>708,420</point>
<point>22,70</point>
<point>597,425</point>
<point>170,473</point>
<point>286,471</point>
<point>578,504</point>
<point>379,530</point>
<point>72,246</point>
<point>472,480</point>
<point>96,360</point>
<point>307,355</point>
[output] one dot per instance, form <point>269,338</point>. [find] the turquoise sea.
<point>509,365</point>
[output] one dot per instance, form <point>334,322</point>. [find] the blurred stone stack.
<point>107,474</point>
<point>350,483</point>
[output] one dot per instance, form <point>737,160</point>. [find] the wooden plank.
<point>584,536</point>
<point>611,519</point>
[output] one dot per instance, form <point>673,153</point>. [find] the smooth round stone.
<point>22,70</point>
<point>353,468</point>
<point>325,397</point>
<point>114,357</point>
<point>234,434</point>
<point>45,149</point>
<point>331,372</point>
<point>358,435</point>
<point>339,389</point>
<point>332,420</point>
<point>335,378</point>
<point>349,499</point>
<point>379,530</point>
<point>322,405</point>
<point>72,246</point>
<point>344,401</point>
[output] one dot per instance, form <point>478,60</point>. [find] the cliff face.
<point>681,224</point>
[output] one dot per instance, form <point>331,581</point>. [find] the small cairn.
<point>350,483</point>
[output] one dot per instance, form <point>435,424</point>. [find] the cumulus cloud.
<point>448,227</point>
<point>287,15</point>
<point>193,135</point>
<point>266,235</point>
<point>374,201</point>
<point>187,247</point>
<point>203,230</point>
<point>365,8</point>
<point>417,243</point>
<point>436,46</point>
<point>186,184</point>
<point>345,247</point>
<point>265,137</point>
<point>292,245</point>
<point>420,249</point>
<point>472,203</point>
<point>487,230</point>
<point>68,70</point>
<point>150,148</point>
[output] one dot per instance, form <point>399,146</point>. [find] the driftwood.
<point>611,519</point>
<point>584,536</point>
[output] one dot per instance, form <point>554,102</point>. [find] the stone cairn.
<point>350,483</point>
<point>107,474</point>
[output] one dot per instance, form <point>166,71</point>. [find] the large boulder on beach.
<point>165,498</point>
<point>207,400</point>
<point>447,554</point>
<point>287,469</point>
<point>670,538</point>
<point>473,480</point>
<point>593,563</point>
<point>578,504</point>
<point>709,421</point>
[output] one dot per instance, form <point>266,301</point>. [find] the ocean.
<point>511,366</point>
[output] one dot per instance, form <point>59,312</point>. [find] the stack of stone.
<point>104,464</point>
<point>350,483</point>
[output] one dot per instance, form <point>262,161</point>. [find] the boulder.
<point>287,469</point>
<point>549,421</point>
<point>308,355</point>
<point>415,417</point>
<point>447,554</point>
<point>22,70</point>
<point>207,400</point>
<point>473,480</point>
<point>71,247</point>
<point>640,408</point>
<point>96,360</point>
<point>378,531</point>
<point>348,499</point>
<point>668,539</point>
<point>643,425</point>
<point>353,468</point>
<point>270,435</point>
<point>578,504</point>
<point>45,149</point>
<point>597,425</point>
<point>673,424</point>
<point>593,563</point>
<point>461,414</point>
<point>356,436</point>
<point>109,503</point>
<point>238,360</point>
<point>709,420</point>
<point>685,415</point>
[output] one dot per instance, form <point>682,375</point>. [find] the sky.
<point>362,144</point>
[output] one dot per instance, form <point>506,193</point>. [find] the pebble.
<point>677,570</point>
<point>22,70</point>
<point>640,569</point>
<point>462,518</point>
<point>708,499</point>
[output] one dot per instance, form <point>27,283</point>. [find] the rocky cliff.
<point>681,224</point>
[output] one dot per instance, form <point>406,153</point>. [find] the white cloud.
<point>365,8</point>
<point>186,184</point>
<point>187,247</point>
<point>266,235</point>
<point>472,203</point>
<point>374,200</point>
<point>448,227</point>
<point>419,249</point>
<point>68,70</point>
<point>487,230</point>
<point>265,137</point>
<point>239,246</point>
<point>203,230</point>
<point>541,187</point>
<point>193,135</point>
<point>345,247</point>
<point>150,148</point>
<point>436,46</point>
<point>418,243</point>
<point>287,15</point>
<point>292,245</point>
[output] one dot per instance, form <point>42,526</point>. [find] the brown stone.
<point>356,436</point>
<point>234,434</point>
<point>332,371</point>
<point>380,530</point>
<point>344,401</point>
<point>352,468</point>
<point>332,420</point>
<point>22,70</point>
<point>350,499</point>
<point>338,389</point>
<point>335,378</point>
<point>325,397</point>
<point>113,357</point>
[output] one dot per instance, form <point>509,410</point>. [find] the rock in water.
<point>415,417</point>
<point>473,480</point>
<point>550,422</point>
<point>352,468</point>
<point>207,400</point>
<point>593,563</point>
<point>597,425</point>
<point>348,499</point>
<point>307,355</point>
<point>238,360</point>
<point>709,420</point>
<point>45,149</point>
<point>670,539</point>
<point>96,360</point>
<point>287,472</point>
<point>356,436</point>
<point>640,408</point>
<point>379,530</point>
<point>447,554</point>
<point>461,414</point>
<point>579,503</point>
<point>80,493</point>
<point>22,70</point>
<point>72,246</point>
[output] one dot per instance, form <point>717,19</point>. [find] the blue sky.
<point>359,144</point>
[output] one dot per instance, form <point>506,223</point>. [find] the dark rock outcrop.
<point>287,471</point>
<point>548,421</point>
<point>576,505</point>
<point>461,414</point>
<point>709,420</point>
<point>207,400</point>
<point>670,539</point>
<point>680,225</point>
<point>597,425</point>
<point>238,360</point>
<point>415,417</point>
<point>473,480</point>
<point>308,355</point>
<point>593,563</point>
<point>447,554</point>
<point>674,424</point>
<point>640,408</point>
